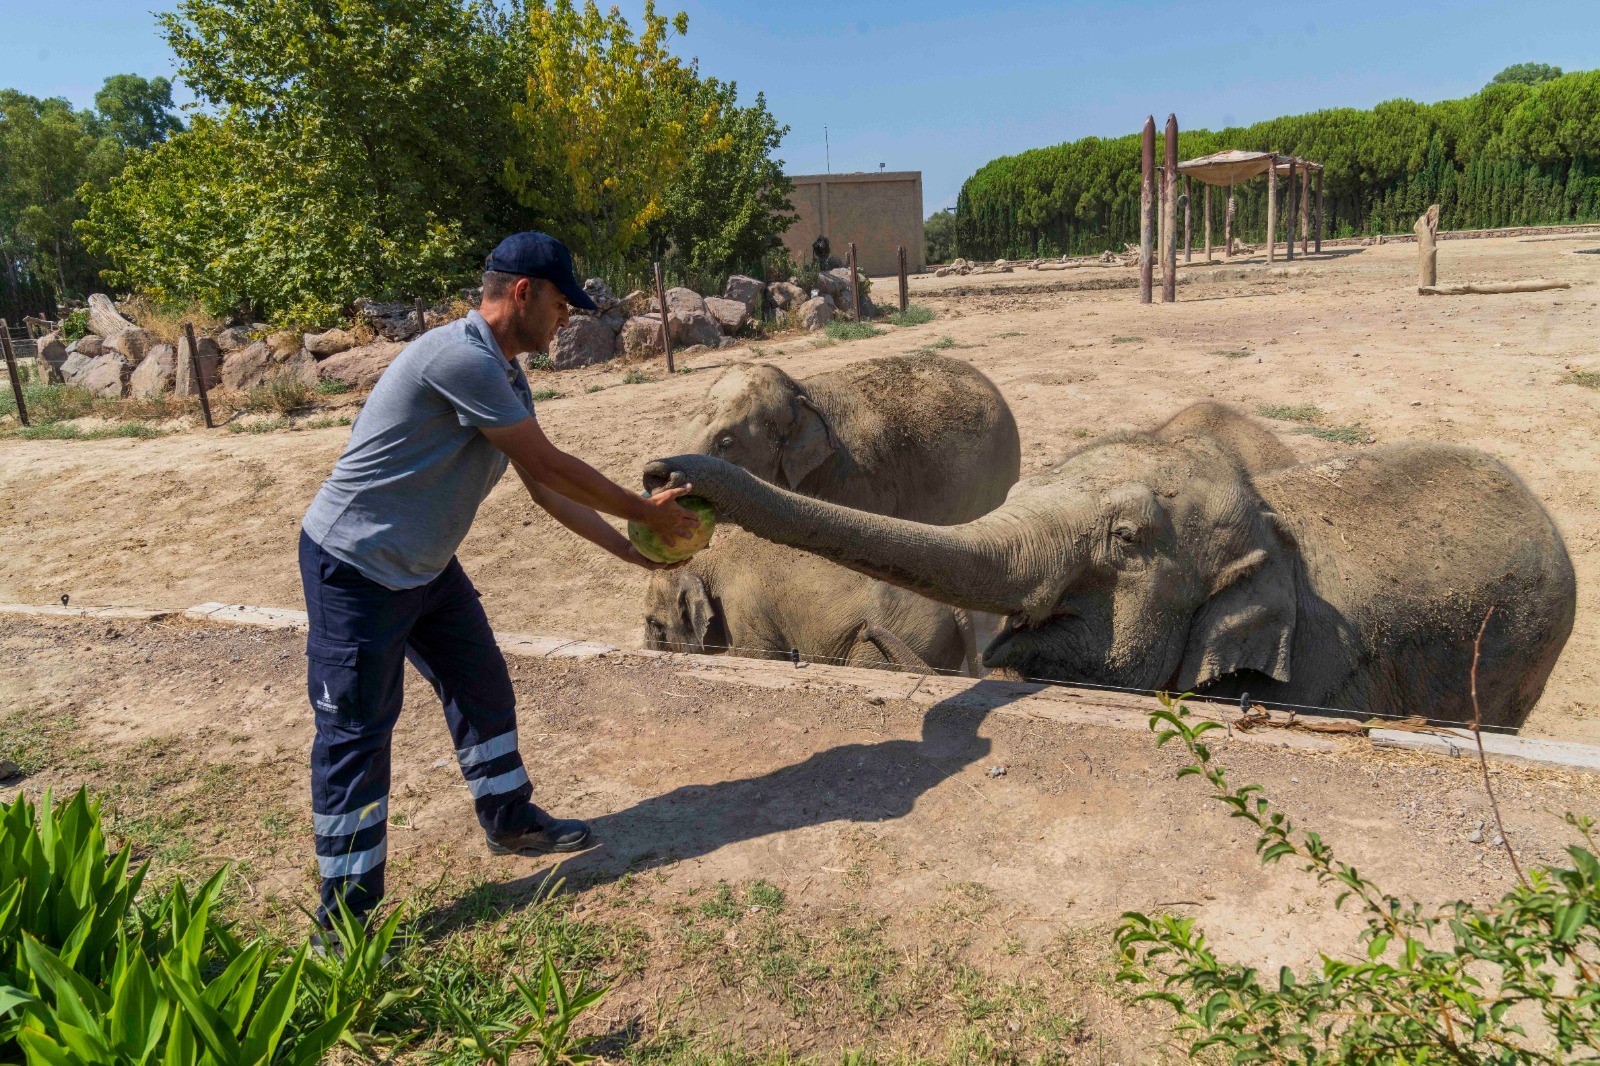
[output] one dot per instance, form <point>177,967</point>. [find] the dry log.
<point>1427,229</point>
<point>1490,288</point>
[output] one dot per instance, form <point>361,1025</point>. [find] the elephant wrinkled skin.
<point>1357,582</point>
<point>921,437</point>
<point>754,597</point>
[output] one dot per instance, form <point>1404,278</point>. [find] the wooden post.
<point>855,287</point>
<point>1161,215</point>
<point>1207,209</point>
<point>199,375</point>
<point>1228,210</point>
<point>422,318</point>
<point>11,369</point>
<point>1319,212</point>
<point>1188,234</point>
<point>1288,216</point>
<point>1272,210</point>
<point>1169,213</point>
<point>1427,230</point>
<point>903,293</point>
<point>666,334</point>
<point>1147,208</point>
<point>1305,211</point>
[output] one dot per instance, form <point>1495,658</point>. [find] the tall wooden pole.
<point>1228,210</point>
<point>1272,211</point>
<point>1207,209</point>
<point>903,293</point>
<point>1188,234</point>
<point>1169,214</point>
<point>1319,213</point>
<point>1147,208</point>
<point>11,369</point>
<point>855,286</point>
<point>199,375</point>
<point>1305,211</point>
<point>666,334</point>
<point>1288,216</point>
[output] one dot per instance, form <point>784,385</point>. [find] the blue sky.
<point>944,87</point>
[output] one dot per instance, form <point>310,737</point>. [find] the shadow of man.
<point>849,783</point>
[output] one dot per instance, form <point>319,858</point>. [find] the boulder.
<point>600,293</point>
<point>731,315</point>
<point>836,283</point>
<point>360,367</point>
<point>209,358</point>
<point>248,368</point>
<point>816,313</point>
<point>104,318</point>
<point>689,328</point>
<point>586,341</point>
<point>75,365</point>
<point>284,343</point>
<point>727,342</point>
<point>681,299</point>
<point>640,337</point>
<point>232,339</point>
<point>133,343</point>
<point>395,321</point>
<point>637,302</point>
<point>786,296</point>
<point>89,344</point>
<point>614,318</point>
<point>153,375</point>
<point>746,290</point>
<point>302,365</point>
<point>107,377</point>
<point>332,342</point>
<point>52,353</point>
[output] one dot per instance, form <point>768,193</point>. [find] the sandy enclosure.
<point>196,516</point>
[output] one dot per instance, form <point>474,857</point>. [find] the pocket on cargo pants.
<point>333,680</point>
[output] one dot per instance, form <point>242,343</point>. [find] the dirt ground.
<point>800,870</point>
<point>192,517</point>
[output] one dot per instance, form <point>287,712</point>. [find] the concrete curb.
<point>1060,703</point>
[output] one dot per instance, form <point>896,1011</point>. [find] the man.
<point>382,584</point>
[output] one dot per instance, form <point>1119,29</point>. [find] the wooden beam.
<point>1147,197</point>
<point>1169,214</point>
<point>1207,210</point>
<point>1188,234</point>
<point>1228,211</point>
<point>1288,216</point>
<point>1272,213</point>
<point>1319,212</point>
<point>1305,211</point>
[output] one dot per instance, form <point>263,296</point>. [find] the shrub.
<point>1286,412</point>
<point>76,325</point>
<point>540,361</point>
<point>331,387</point>
<point>1456,986</point>
<point>913,315</point>
<point>845,330</point>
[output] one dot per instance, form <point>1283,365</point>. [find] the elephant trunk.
<point>989,564</point>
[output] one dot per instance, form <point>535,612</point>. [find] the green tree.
<point>137,111</point>
<point>939,236</point>
<point>1526,74</point>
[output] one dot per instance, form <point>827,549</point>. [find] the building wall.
<point>879,211</point>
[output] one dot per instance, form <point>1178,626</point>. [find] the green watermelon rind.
<point>649,545</point>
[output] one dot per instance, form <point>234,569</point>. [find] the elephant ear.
<point>810,442</point>
<point>1247,622</point>
<point>694,603</point>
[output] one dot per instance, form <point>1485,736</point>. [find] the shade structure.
<point>1231,167</point>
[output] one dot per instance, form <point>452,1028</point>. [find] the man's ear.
<point>811,442</point>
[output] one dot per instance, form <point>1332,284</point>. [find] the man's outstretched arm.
<point>544,464</point>
<point>585,522</point>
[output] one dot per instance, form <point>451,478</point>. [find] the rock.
<point>640,336</point>
<point>637,302</point>
<point>746,290</point>
<point>133,343</point>
<point>694,349</point>
<point>836,283</point>
<point>586,341</point>
<point>600,293</point>
<point>284,343</point>
<point>104,318</point>
<point>248,368</point>
<point>302,365</point>
<point>959,264</point>
<point>89,344</point>
<point>393,321</point>
<point>332,342</point>
<point>689,328</point>
<point>74,366</point>
<point>681,299</point>
<point>731,315</point>
<point>232,339</point>
<point>728,342</point>
<point>153,375</point>
<point>9,770</point>
<point>786,296</point>
<point>1475,837</point>
<point>816,313</point>
<point>52,354</point>
<point>210,359</point>
<point>360,367</point>
<point>614,319</point>
<point>107,377</point>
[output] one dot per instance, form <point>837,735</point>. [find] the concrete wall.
<point>880,212</point>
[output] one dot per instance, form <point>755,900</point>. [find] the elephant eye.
<point>724,444</point>
<point>1126,532</point>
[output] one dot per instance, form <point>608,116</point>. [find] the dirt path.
<point>188,518</point>
<point>800,868</point>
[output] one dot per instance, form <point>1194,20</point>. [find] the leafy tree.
<point>939,236</point>
<point>1526,74</point>
<point>137,111</point>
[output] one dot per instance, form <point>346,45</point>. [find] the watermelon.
<point>655,549</point>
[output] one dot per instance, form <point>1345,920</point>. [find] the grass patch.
<point>331,387</point>
<point>1233,353</point>
<point>942,344</point>
<point>1127,340</point>
<point>1589,379</point>
<point>323,423</point>
<point>595,388</point>
<point>283,394</point>
<point>36,740</point>
<point>1355,433</point>
<point>68,431</point>
<point>546,394</point>
<point>913,315</point>
<point>1294,412</point>
<point>540,361</point>
<point>1010,333</point>
<point>845,330</point>
<point>260,425</point>
<point>636,377</point>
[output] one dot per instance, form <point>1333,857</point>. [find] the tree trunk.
<point>1427,230</point>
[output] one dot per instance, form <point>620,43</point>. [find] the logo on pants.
<point>325,703</point>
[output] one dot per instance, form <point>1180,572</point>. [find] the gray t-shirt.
<point>404,493</point>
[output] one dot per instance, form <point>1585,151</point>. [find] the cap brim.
<point>575,294</point>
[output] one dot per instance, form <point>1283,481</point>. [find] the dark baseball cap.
<point>539,255</point>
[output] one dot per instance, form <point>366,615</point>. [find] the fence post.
<point>11,369</point>
<point>902,278</point>
<point>1147,199</point>
<point>666,334</point>
<point>855,286</point>
<point>199,375</point>
<point>422,318</point>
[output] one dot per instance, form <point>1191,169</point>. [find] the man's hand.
<point>669,519</point>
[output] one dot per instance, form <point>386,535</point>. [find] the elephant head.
<point>681,615</point>
<point>1138,562</point>
<point>759,418</point>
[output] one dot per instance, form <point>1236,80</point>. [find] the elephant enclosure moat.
<point>1338,353</point>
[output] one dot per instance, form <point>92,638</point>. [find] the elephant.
<point>754,597</point>
<point>921,437</point>
<point>1249,443</point>
<point>1356,583</point>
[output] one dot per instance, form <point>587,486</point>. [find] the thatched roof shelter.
<point>1236,165</point>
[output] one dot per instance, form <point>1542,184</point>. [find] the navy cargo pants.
<point>361,635</point>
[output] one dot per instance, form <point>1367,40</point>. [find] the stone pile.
<point>963,267</point>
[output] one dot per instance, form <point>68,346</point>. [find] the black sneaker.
<point>544,836</point>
